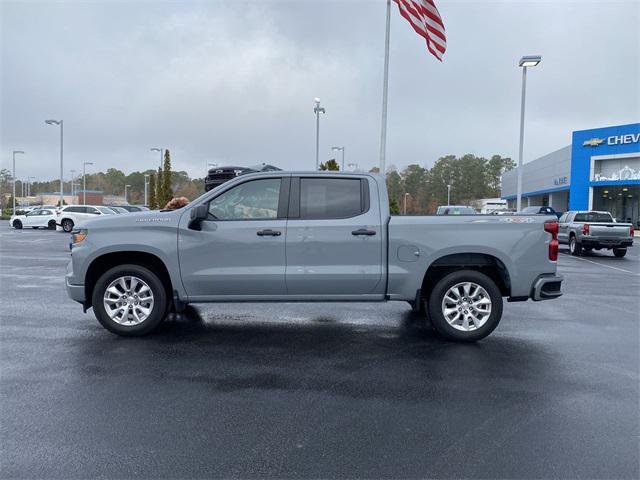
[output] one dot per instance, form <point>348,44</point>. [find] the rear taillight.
<point>552,228</point>
<point>631,230</point>
<point>585,229</point>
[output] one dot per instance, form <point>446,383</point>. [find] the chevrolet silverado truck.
<point>310,237</point>
<point>585,231</point>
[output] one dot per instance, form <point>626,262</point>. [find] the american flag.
<point>426,21</point>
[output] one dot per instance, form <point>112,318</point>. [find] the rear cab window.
<point>600,217</point>
<point>332,198</point>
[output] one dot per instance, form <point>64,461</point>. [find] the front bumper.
<point>547,287</point>
<point>75,292</point>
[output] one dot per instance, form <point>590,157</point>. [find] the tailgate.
<point>609,230</point>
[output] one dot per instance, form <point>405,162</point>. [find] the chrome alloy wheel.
<point>128,300</point>
<point>466,306</point>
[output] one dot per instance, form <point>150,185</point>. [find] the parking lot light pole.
<point>527,61</point>
<point>318,110</point>
<point>156,149</point>
<point>125,193</point>
<point>61,125</point>
<point>84,182</point>
<point>13,178</point>
<point>146,183</point>
<point>449,194</point>
<point>336,149</point>
<point>406,194</point>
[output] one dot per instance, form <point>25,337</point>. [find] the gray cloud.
<point>234,82</point>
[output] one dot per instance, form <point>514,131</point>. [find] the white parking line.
<point>600,264</point>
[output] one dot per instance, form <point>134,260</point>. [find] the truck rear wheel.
<point>465,306</point>
<point>619,252</point>
<point>129,300</point>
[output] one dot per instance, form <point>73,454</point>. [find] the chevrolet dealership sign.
<point>613,140</point>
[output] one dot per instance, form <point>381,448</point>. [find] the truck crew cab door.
<point>238,252</point>
<point>334,238</point>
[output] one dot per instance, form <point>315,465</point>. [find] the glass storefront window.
<point>622,201</point>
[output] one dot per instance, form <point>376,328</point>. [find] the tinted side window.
<point>257,199</point>
<point>91,210</point>
<point>330,198</point>
<point>73,209</point>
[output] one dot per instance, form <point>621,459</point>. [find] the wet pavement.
<point>320,390</point>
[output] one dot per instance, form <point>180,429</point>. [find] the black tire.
<point>17,224</point>
<point>51,225</point>
<point>159,309</point>
<point>67,225</point>
<point>619,252</point>
<point>575,247</point>
<point>436,314</point>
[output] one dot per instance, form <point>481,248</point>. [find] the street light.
<point>448,194</point>
<point>125,193</point>
<point>337,149</point>
<point>156,149</point>
<point>29,186</point>
<point>73,176</point>
<point>84,182</point>
<point>406,194</point>
<point>146,182</point>
<point>13,177</point>
<point>60,123</point>
<point>318,110</point>
<point>527,61</point>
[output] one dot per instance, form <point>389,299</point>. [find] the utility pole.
<point>146,183</point>
<point>60,123</point>
<point>13,178</point>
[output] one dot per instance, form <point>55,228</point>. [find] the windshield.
<point>601,217</point>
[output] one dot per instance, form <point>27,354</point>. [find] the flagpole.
<point>385,93</point>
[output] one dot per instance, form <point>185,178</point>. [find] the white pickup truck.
<point>310,237</point>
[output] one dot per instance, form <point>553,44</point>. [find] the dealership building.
<point>600,170</point>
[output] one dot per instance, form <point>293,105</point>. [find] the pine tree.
<point>330,165</point>
<point>159,187</point>
<point>153,201</point>
<point>167,191</point>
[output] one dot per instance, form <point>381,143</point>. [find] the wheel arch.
<point>485,263</point>
<point>106,261</point>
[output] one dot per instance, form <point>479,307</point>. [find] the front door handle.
<point>363,231</point>
<point>269,233</point>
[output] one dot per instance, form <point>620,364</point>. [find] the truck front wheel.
<point>465,306</point>
<point>129,300</point>
<point>575,247</point>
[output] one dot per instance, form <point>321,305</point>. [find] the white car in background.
<point>37,218</point>
<point>71,215</point>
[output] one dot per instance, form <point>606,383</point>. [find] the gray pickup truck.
<point>310,237</point>
<point>586,231</point>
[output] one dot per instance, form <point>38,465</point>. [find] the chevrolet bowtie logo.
<point>593,142</point>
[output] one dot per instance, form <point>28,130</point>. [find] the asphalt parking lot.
<point>358,390</point>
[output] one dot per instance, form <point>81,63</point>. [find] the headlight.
<point>78,235</point>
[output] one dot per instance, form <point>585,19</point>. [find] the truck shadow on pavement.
<point>407,362</point>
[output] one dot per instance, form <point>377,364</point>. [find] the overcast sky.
<point>233,82</point>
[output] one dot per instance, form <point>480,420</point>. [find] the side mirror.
<point>198,214</point>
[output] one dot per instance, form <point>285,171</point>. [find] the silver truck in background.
<point>310,237</point>
<point>584,231</point>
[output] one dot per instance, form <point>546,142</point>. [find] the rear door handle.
<point>269,233</point>
<point>363,231</point>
